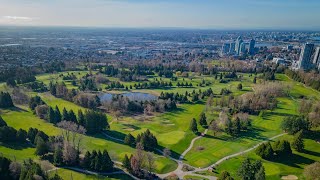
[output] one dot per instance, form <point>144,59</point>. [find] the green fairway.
<point>24,119</point>
<point>282,167</point>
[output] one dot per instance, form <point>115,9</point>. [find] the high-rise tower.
<point>305,62</point>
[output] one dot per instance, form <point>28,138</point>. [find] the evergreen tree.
<point>203,120</point>
<point>193,126</point>
<point>57,115</point>
<point>57,156</point>
<point>51,116</point>
<point>265,151</point>
<point>107,164</point>
<point>239,87</point>
<point>41,147</point>
<point>98,161</point>
<point>130,140</point>
<point>254,80</point>
<point>126,163</point>
<point>282,148</point>
<point>21,135</point>
<point>94,154</point>
<point>297,142</point>
<point>86,160</point>
<point>81,119</point>
<point>72,116</point>
<point>2,122</point>
<point>65,115</point>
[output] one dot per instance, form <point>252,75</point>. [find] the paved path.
<point>191,145</point>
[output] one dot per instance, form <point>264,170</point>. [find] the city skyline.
<point>201,14</point>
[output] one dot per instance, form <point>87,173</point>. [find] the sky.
<point>204,14</point>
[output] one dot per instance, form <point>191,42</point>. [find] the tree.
<point>259,171</point>
<point>81,119</point>
<point>2,122</point>
<point>203,120</point>
<point>5,100</point>
<point>70,154</point>
<point>126,163</point>
<point>297,142</point>
<point>41,147</point>
<point>11,82</point>
<point>293,124</point>
<point>51,116</point>
<point>282,148</point>
<point>57,156</point>
<point>251,170</point>
<point>15,169</point>
<point>130,140</point>
<point>86,160</point>
<point>65,115</point>
<point>4,170</point>
<point>239,87</point>
<point>265,151</point>
<point>150,162</point>
<point>193,126</point>
<point>57,115</point>
<point>312,171</point>
<point>72,117</point>
<point>21,135</point>
<point>225,175</point>
<point>166,152</point>
<point>107,164</point>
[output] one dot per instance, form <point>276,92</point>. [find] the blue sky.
<point>215,14</point>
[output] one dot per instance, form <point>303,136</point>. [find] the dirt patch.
<point>289,177</point>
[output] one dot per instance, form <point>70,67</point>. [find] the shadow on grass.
<point>293,160</point>
<point>17,109</point>
<point>16,146</point>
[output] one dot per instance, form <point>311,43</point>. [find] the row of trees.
<point>123,104</point>
<point>277,149</point>
<point>232,125</point>
<point>311,79</point>
<point>97,161</point>
<point>12,170</point>
<point>146,140</point>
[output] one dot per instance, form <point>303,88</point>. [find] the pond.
<point>133,96</point>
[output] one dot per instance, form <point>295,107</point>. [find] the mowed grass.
<point>24,119</point>
<point>210,149</point>
<point>170,128</point>
<point>67,174</point>
<point>287,165</point>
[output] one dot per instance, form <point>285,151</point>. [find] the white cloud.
<point>18,18</point>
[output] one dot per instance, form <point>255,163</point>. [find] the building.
<point>289,47</point>
<point>225,48</point>
<point>232,48</point>
<point>239,41</point>
<point>242,49</point>
<point>251,46</point>
<point>279,61</point>
<point>305,62</point>
<point>316,58</point>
